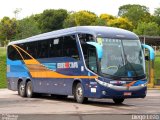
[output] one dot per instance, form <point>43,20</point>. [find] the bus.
<point>83,61</point>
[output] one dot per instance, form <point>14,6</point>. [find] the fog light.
<point>104,92</point>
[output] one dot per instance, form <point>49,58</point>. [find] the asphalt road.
<point>11,103</point>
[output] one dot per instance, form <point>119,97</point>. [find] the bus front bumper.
<point>107,90</point>
<point>123,92</point>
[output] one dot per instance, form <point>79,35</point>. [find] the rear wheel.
<point>118,100</point>
<point>21,89</point>
<point>29,89</point>
<point>79,94</point>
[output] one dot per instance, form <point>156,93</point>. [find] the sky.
<point>29,7</point>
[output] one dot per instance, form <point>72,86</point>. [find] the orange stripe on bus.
<point>51,74</point>
<point>130,84</point>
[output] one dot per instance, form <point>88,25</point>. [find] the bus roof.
<point>101,31</point>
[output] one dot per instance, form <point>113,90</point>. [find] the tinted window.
<point>70,47</point>
<point>43,47</point>
<point>55,47</point>
<point>13,53</point>
<point>31,49</point>
<point>92,59</point>
<point>23,46</point>
<point>28,48</point>
<point>86,38</point>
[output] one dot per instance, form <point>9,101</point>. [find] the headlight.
<point>103,83</point>
<point>143,85</point>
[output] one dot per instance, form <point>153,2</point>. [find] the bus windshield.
<point>122,58</point>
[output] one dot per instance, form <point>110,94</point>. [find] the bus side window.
<point>70,47</point>
<point>13,53</point>
<point>43,47</point>
<point>31,49</point>
<point>55,47</point>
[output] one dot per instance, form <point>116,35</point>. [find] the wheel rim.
<point>21,89</point>
<point>29,90</point>
<point>79,92</point>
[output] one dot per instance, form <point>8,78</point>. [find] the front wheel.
<point>29,89</point>
<point>79,94</point>
<point>118,100</point>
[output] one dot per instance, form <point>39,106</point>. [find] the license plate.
<point>127,94</point>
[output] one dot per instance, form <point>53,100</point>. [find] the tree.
<point>27,27</point>
<point>17,11</point>
<point>80,18</point>
<point>7,29</point>
<point>150,29</point>
<point>120,22</point>
<point>70,21</point>
<point>156,16</point>
<point>107,17</point>
<point>52,19</point>
<point>100,22</point>
<point>135,13</point>
<point>157,12</point>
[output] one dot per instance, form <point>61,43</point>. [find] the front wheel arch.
<point>74,85</point>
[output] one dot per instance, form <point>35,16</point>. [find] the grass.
<point>2,51</point>
<point>3,82</point>
<point>157,68</point>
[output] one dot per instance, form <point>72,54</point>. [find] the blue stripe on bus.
<point>18,68</point>
<point>51,66</point>
<point>18,74</point>
<point>139,82</point>
<point>15,62</point>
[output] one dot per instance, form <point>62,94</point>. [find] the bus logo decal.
<point>67,65</point>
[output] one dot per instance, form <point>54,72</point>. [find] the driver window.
<point>92,59</point>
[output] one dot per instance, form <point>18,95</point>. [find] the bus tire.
<point>118,100</point>
<point>21,89</point>
<point>29,89</point>
<point>79,94</point>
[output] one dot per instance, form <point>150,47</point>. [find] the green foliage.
<point>157,12</point>
<point>80,18</point>
<point>107,17</point>
<point>52,19</point>
<point>123,23</point>
<point>100,22</point>
<point>131,17</point>
<point>8,29</point>
<point>150,28</point>
<point>3,81</point>
<point>70,21</point>
<point>156,16</point>
<point>135,13</point>
<point>27,27</point>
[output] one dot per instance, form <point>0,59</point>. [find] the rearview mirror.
<point>151,51</point>
<point>98,48</point>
